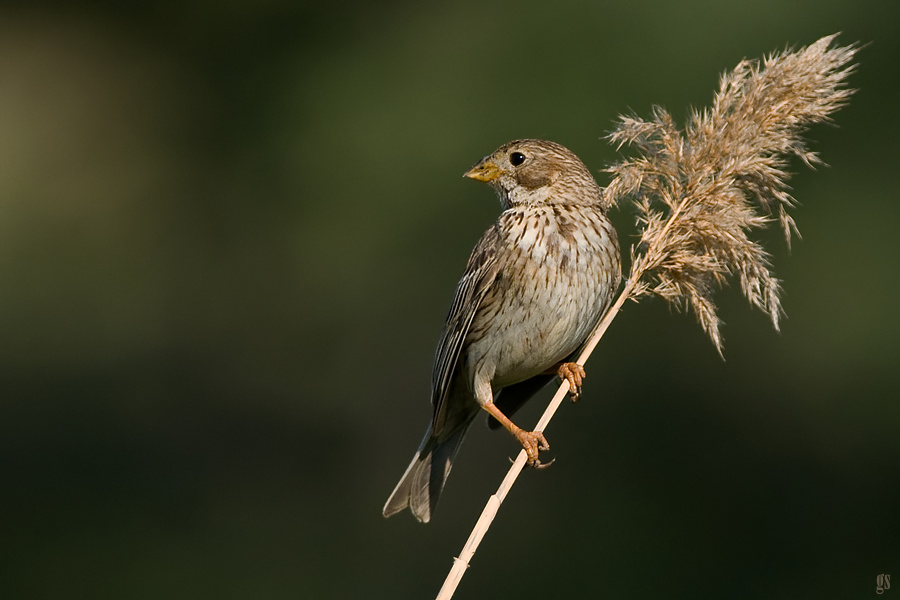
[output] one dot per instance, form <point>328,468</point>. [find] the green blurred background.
<point>229,233</point>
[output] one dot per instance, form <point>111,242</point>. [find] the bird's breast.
<point>559,267</point>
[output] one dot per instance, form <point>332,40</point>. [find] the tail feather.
<point>424,479</point>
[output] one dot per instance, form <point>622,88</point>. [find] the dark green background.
<point>229,233</point>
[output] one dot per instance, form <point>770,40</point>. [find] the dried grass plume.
<point>700,192</point>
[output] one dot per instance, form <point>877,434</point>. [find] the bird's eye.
<point>516,158</point>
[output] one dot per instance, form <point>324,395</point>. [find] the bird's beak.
<point>485,170</point>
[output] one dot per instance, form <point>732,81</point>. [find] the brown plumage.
<point>534,287</point>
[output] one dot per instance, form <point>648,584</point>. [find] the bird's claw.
<point>574,375</point>
<point>533,442</point>
<point>543,465</point>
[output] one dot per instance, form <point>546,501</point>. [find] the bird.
<point>535,286</point>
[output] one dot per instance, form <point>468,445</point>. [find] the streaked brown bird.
<point>535,286</point>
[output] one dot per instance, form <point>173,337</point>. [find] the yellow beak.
<point>484,171</point>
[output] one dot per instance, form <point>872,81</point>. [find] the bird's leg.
<point>573,374</point>
<point>532,441</point>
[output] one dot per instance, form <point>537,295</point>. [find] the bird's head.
<point>535,173</point>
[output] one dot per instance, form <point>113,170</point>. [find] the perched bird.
<point>535,286</point>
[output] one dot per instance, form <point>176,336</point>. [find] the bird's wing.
<point>481,271</point>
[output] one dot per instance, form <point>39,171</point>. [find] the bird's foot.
<point>574,374</point>
<point>533,442</point>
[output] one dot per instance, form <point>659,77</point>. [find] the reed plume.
<point>700,193</point>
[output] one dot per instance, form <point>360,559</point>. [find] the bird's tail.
<point>421,484</point>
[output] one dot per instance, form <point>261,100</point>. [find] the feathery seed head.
<point>700,191</point>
